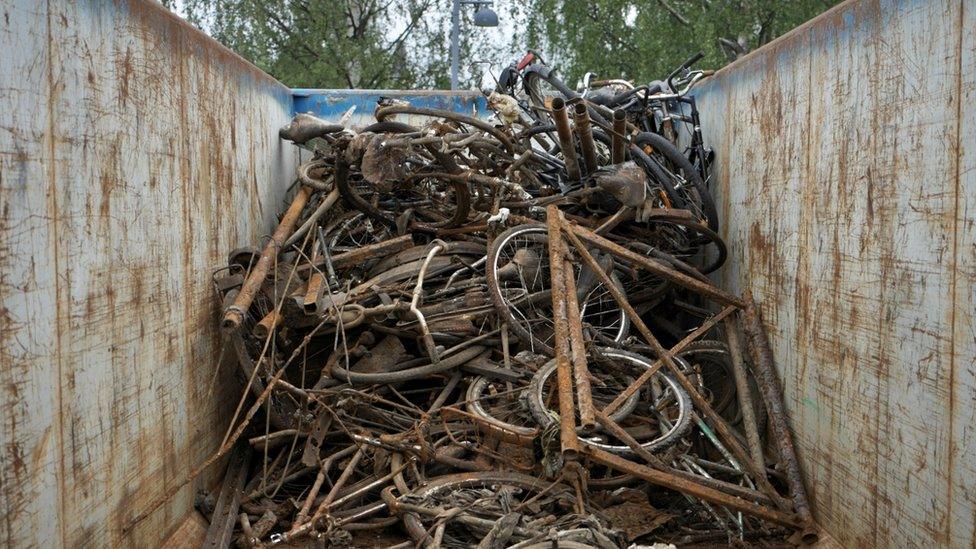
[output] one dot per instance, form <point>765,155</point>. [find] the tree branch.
<point>594,15</point>
<point>734,48</point>
<point>392,48</point>
<point>674,13</point>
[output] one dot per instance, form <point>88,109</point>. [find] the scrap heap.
<point>461,335</point>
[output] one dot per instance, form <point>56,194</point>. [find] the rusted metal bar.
<point>317,485</point>
<point>616,430</point>
<point>439,534</point>
<point>236,313</point>
<point>302,515</point>
<point>708,290</point>
<point>341,481</point>
<point>466,229</point>
<point>370,485</point>
<point>762,358</point>
<point>744,393</point>
<point>372,251</point>
<point>581,374</point>
<point>314,291</point>
<point>720,425</point>
<point>566,141</point>
<point>360,255</point>
<point>733,489</point>
<point>221,530</point>
<point>271,437</point>
<point>267,324</point>
<point>325,206</point>
<point>617,143</point>
<point>442,397</point>
<point>674,482</point>
<point>625,213</point>
<point>564,372</point>
<point>581,120</point>
<point>680,346</point>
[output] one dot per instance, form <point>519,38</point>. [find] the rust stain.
<point>124,70</point>
<point>875,217</point>
<point>153,16</point>
<point>40,451</point>
<point>116,335</point>
<point>106,183</point>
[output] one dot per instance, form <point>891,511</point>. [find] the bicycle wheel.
<point>501,136</point>
<point>488,495</point>
<point>501,412</point>
<point>669,405</point>
<point>435,203</point>
<point>682,238</point>
<point>542,86</point>
<point>518,282</point>
<point>681,176</point>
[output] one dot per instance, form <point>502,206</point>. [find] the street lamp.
<point>484,16</point>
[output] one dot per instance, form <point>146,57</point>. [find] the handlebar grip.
<point>693,59</point>
<point>684,66</point>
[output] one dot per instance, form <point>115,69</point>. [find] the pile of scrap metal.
<point>489,333</point>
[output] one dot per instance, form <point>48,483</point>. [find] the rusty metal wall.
<point>846,175</point>
<point>134,152</point>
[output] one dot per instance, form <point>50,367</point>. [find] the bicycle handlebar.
<point>684,66</point>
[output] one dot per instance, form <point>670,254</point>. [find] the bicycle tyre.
<point>504,308</point>
<point>666,149</point>
<point>545,418</point>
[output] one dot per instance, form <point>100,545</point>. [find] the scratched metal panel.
<point>962,399</point>
<point>30,431</point>
<point>845,174</point>
<point>134,152</point>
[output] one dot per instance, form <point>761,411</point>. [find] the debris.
<point>506,106</point>
<point>305,127</point>
<point>465,334</point>
<point>635,518</point>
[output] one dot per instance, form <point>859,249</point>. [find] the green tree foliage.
<point>330,43</point>
<point>645,40</point>
<point>404,43</point>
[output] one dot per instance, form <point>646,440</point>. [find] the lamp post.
<point>484,16</point>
